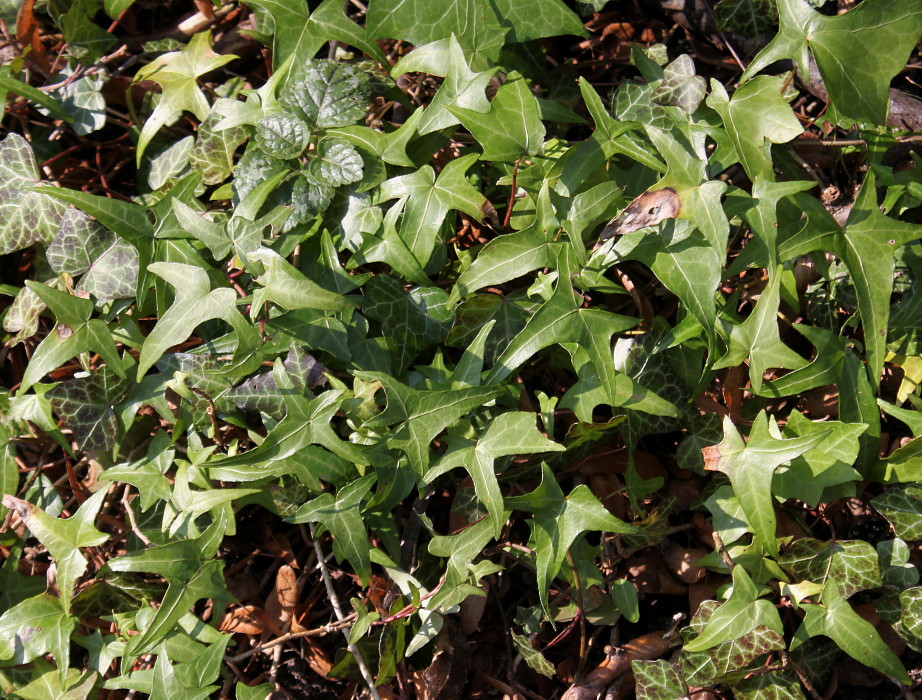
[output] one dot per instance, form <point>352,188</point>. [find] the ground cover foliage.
<point>317,385</point>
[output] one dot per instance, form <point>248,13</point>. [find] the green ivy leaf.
<point>751,468</point>
<point>558,521</point>
<point>75,333</point>
<point>513,433</point>
<point>284,285</point>
<point>213,152</point>
<point>658,680</point>
<point>410,322</point>
<point>195,303</point>
<point>886,31</point>
<point>563,320</point>
<point>428,200</point>
<point>176,73</point>
<point>420,22</point>
<point>756,117</point>
<point>34,627</point>
<point>680,87</point>
<point>462,87</point>
<point>739,616</point>
<point>867,246</point>
<point>299,33</point>
<point>26,216</point>
<point>854,635</point>
<point>512,128</point>
<point>342,516</point>
<point>422,415</point>
<point>64,538</point>
<point>751,18</point>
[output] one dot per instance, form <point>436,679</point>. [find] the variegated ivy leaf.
<point>751,18</point>
<point>851,564</point>
<point>109,264</point>
<point>680,87</point>
<point>282,136</point>
<point>213,153</point>
<point>170,162</point>
<point>261,392</point>
<point>658,680</point>
<point>330,94</point>
<point>22,315</point>
<point>26,217</point>
<point>83,101</point>
<point>85,405</point>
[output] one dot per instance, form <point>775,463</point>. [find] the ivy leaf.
<point>213,152</point>
<point>512,128</point>
<point>299,34</point>
<point>108,264</point>
<point>260,392</point>
<point>207,582</point>
<point>513,433</point>
<point>558,521</point>
<point>680,87</point>
<point>758,338</point>
<point>342,516</point>
<point>739,616</point>
<point>422,415</point>
<point>428,200</point>
<point>867,246</point>
<point>707,666</point>
<point>195,303</point>
<point>410,322</point>
<point>462,87</point>
<point>391,147</point>
<point>85,405</point>
<point>751,468</point>
<point>75,333</point>
<point>513,255</point>
<point>751,18</point>
<point>390,248</point>
<point>902,507</point>
<point>756,117</point>
<point>563,320</point>
<point>658,680</point>
<point>306,423</point>
<point>26,217</point>
<point>34,627</point>
<point>854,635</point>
<point>886,31</point>
<point>284,285</point>
<point>63,538</point>
<point>850,564</point>
<point>416,22</point>
<point>82,99</point>
<point>176,73</point>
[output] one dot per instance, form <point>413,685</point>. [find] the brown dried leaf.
<point>245,619</point>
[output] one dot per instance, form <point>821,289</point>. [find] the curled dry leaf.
<point>245,619</point>
<point>618,662</point>
<point>680,562</point>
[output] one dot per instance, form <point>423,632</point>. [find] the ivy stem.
<point>334,601</point>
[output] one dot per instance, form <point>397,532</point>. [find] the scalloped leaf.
<point>282,136</point>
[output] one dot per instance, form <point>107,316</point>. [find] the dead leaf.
<point>245,619</point>
<point>618,662</point>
